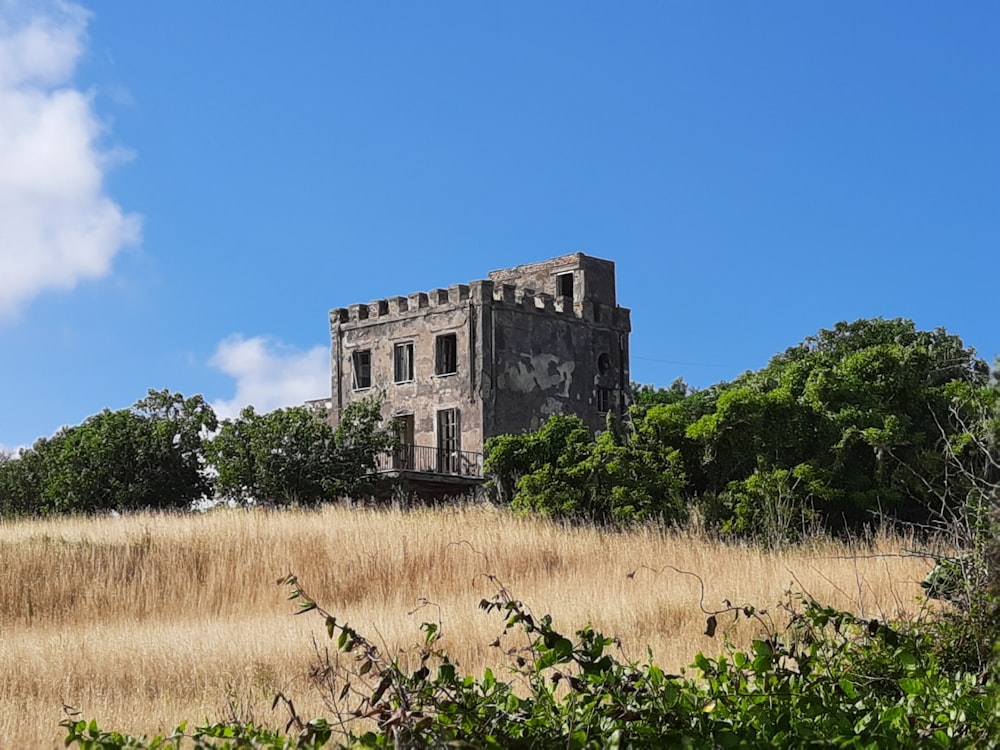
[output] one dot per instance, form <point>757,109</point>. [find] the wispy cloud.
<point>270,375</point>
<point>57,225</point>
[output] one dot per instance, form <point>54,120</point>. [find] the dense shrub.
<point>562,470</point>
<point>294,456</point>
<point>147,456</point>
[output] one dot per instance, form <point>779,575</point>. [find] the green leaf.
<point>911,686</point>
<point>430,629</point>
<point>894,717</point>
<point>848,687</point>
<point>563,648</point>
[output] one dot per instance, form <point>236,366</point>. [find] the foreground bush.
<point>827,678</point>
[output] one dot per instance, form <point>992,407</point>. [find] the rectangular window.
<point>604,399</point>
<point>448,441</point>
<point>564,285</point>
<point>446,354</point>
<point>362,368</point>
<point>403,362</point>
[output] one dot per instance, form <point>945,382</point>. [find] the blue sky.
<point>187,188</point>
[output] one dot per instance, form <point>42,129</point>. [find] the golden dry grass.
<point>144,621</point>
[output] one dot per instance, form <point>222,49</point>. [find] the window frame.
<point>605,399</point>
<point>359,368</point>
<point>403,363</point>
<point>403,454</point>
<point>449,439</point>
<point>440,354</point>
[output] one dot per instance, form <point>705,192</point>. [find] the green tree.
<point>852,419</point>
<point>148,456</point>
<point>284,456</point>
<point>665,423</point>
<point>645,396</point>
<point>292,456</point>
<point>21,482</point>
<point>360,437</point>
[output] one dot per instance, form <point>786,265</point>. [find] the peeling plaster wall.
<point>548,364</point>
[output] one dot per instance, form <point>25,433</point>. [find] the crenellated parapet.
<point>418,302</point>
<point>502,296</point>
<point>508,296</point>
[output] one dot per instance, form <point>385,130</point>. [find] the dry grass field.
<point>144,621</point>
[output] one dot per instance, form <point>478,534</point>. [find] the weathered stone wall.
<point>541,277</point>
<point>550,362</point>
<point>593,294</point>
<point>598,278</point>
<point>418,319</point>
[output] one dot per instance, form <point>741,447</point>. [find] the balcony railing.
<point>430,460</point>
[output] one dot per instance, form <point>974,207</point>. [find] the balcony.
<point>424,459</point>
<point>428,474</point>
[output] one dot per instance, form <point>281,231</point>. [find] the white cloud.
<point>270,375</point>
<point>57,226</point>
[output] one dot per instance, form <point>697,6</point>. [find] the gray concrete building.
<point>458,365</point>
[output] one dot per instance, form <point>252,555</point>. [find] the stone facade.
<point>462,364</point>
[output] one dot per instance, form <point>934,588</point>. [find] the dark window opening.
<point>603,363</point>
<point>564,285</point>
<point>403,453</point>
<point>403,362</point>
<point>448,441</point>
<point>446,354</point>
<point>604,399</point>
<point>362,368</point>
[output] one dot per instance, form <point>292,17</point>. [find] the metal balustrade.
<point>427,459</point>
